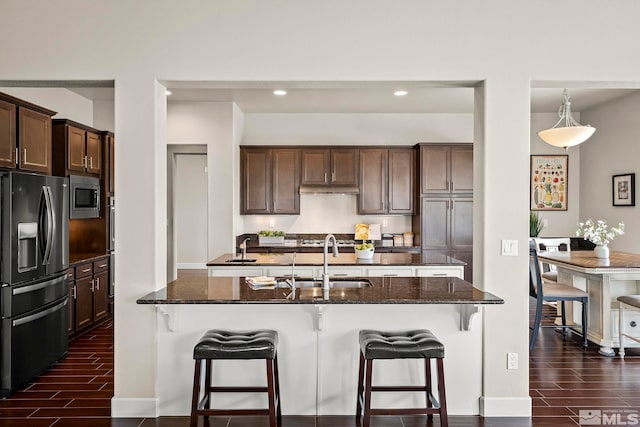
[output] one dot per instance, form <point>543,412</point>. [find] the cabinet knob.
<point>97,283</point>
<point>75,296</point>
<point>24,157</point>
<point>92,284</point>
<point>17,155</point>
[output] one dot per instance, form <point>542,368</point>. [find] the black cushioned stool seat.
<point>235,345</point>
<point>410,344</point>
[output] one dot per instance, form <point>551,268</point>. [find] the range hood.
<point>329,189</point>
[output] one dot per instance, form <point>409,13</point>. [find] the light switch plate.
<point>509,248</point>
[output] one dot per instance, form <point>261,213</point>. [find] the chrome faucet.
<point>243,246</point>
<point>325,271</point>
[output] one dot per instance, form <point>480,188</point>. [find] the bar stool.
<point>413,344</point>
<point>627,302</point>
<point>230,345</point>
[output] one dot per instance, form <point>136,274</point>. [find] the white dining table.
<point>604,280</point>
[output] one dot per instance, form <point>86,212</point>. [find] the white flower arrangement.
<point>597,232</point>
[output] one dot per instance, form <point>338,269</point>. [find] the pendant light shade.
<point>567,132</point>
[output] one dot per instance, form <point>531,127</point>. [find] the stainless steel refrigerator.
<point>34,257</point>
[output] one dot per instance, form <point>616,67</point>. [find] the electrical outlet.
<point>385,222</point>
<point>512,360</point>
<point>272,223</point>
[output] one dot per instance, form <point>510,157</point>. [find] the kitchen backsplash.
<point>335,213</point>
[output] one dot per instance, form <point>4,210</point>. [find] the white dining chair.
<point>549,272</point>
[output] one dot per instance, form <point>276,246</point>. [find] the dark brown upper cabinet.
<point>446,168</point>
<point>108,169</point>
<point>386,181</point>
<point>77,149</point>
<point>7,135</point>
<point>270,181</point>
<point>25,135</point>
<point>329,166</point>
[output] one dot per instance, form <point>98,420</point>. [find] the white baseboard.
<point>505,406</point>
<point>191,266</point>
<point>129,407</point>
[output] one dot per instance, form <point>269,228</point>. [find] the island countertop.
<point>384,290</point>
<point>345,259</point>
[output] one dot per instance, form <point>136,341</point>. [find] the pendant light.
<point>567,132</point>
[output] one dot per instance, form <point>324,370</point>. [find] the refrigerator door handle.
<point>42,285</point>
<point>48,200</point>
<point>40,315</point>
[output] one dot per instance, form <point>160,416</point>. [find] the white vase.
<point>601,251</point>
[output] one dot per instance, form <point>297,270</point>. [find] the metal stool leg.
<point>360,389</point>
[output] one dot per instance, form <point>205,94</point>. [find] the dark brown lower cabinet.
<point>446,226</point>
<point>88,295</point>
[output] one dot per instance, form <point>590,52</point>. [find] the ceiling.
<point>362,97</point>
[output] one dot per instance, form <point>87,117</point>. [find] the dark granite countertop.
<point>83,257</point>
<point>385,290</point>
<point>346,259</point>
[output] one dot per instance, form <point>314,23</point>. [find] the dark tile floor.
<point>564,378</point>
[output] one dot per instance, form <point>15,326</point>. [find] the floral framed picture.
<point>624,190</point>
<point>549,183</point>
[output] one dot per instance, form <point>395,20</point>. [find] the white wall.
<point>614,149</point>
<point>560,223</point>
<point>68,104</point>
<point>325,213</point>
<point>356,129</point>
<point>103,115</point>
<point>211,124</point>
<point>369,40</point>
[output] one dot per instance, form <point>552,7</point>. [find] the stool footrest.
<point>219,389</point>
<point>398,388</point>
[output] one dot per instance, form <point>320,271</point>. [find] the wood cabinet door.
<point>76,154</point>
<point>94,153</point>
<point>84,302</point>
<point>462,169</point>
<point>461,224</point>
<point>372,198</point>
<point>7,135</point>
<point>72,307</point>
<point>111,158</point>
<point>315,166</point>
<point>286,180</point>
<point>344,166</point>
<point>34,140</point>
<point>255,181</point>
<point>466,256</point>
<point>401,179</point>
<point>434,167</point>
<point>435,223</point>
<point>100,295</point>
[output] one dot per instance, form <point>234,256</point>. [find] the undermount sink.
<point>241,260</point>
<point>333,283</point>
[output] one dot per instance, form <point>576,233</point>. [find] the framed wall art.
<point>549,183</point>
<point>624,190</point>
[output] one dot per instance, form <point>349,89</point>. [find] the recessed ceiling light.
<point>400,93</point>
<point>167,92</point>
<point>279,92</point>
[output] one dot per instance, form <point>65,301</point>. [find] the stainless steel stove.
<point>318,243</point>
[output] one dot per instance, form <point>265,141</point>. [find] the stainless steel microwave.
<point>84,197</point>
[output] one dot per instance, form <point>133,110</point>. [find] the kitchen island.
<point>345,264</point>
<point>318,345</point>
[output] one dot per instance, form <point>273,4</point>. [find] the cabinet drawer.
<point>100,265</point>
<point>440,272</point>
<point>84,269</point>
